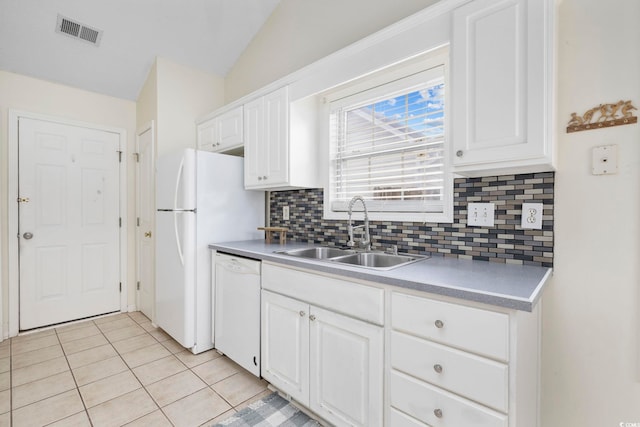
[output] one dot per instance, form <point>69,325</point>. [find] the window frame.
<point>389,76</point>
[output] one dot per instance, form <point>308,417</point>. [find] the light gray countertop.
<point>506,285</point>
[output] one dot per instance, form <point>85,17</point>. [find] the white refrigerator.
<point>200,199</point>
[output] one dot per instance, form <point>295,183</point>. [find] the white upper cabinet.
<point>502,87</point>
<point>279,149</point>
<point>266,153</point>
<point>222,133</point>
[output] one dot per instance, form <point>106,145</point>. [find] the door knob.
<point>147,234</point>
<point>27,235</point>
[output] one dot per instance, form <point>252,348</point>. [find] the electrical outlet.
<point>285,213</point>
<point>532,215</point>
<point>481,214</point>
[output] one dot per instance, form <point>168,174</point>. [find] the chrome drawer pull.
<point>439,324</point>
<point>437,368</point>
<point>302,313</point>
<point>312,317</point>
<point>437,413</point>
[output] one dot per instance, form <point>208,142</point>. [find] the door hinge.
<point>138,221</point>
<point>119,156</point>
<point>138,286</point>
<point>120,286</point>
<point>137,156</point>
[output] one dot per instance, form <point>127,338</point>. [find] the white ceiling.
<point>205,34</point>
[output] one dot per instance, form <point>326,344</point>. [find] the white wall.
<point>147,102</point>
<point>38,96</point>
<point>183,95</point>
<point>591,308</point>
<point>175,96</point>
<point>300,32</point>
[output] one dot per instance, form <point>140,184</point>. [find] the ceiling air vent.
<point>78,31</point>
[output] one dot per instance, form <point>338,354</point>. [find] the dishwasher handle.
<point>238,265</point>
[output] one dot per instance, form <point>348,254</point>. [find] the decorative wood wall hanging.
<point>608,115</point>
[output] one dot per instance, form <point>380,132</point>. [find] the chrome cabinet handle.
<point>302,313</point>
<point>27,235</point>
<point>459,153</point>
<point>264,177</point>
<point>312,317</point>
<point>439,324</point>
<point>147,234</point>
<point>437,413</point>
<point>259,178</point>
<point>437,368</point>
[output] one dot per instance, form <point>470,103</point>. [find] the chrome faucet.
<point>365,242</point>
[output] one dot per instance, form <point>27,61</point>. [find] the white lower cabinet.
<point>456,365</point>
<point>285,345</point>
<point>358,353</point>
<point>331,363</point>
<point>346,369</point>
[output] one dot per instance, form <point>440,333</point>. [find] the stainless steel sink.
<point>375,260</point>
<point>317,253</point>
<point>378,260</point>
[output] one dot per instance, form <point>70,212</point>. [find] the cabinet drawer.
<point>482,380</point>
<point>398,419</point>
<point>350,298</point>
<point>479,331</point>
<point>437,407</point>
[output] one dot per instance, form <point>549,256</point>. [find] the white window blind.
<point>388,145</point>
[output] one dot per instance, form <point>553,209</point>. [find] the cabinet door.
<point>207,135</point>
<point>276,133</point>
<point>254,148</point>
<point>499,83</point>
<point>229,130</point>
<point>285,345</point>
<point>346,369</point>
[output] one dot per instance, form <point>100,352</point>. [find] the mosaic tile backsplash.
<point>506,242</point>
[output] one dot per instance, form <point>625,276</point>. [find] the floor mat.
<point>272,410</point>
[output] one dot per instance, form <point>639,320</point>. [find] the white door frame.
<point>12,205</point>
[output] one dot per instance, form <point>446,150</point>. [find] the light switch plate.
<point>285,213</point>
<point>532,215</point>
<point>604,160</point>
<point>481,214</point>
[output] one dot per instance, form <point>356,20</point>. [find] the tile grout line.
<point>74,379</point>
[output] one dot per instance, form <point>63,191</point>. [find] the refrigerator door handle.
<point>178,182</point>
<point>177,235</point>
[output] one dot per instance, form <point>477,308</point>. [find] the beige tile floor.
<point>113,371</point>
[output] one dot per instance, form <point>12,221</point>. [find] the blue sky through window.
<point>418,111</point>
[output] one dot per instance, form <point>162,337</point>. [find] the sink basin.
<point>378,260</point>
<point>317,253</point>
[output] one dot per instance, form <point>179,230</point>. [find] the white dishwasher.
<point>237,310</point>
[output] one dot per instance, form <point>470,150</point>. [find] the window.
<point>388,145</point>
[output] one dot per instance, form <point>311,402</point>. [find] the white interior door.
<point>145,208</point>
<point>68,222</point>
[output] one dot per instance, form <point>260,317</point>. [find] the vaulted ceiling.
<point>205,34</point>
